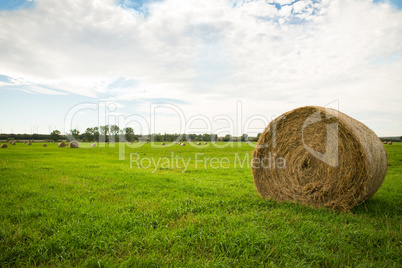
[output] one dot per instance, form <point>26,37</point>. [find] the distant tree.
<point>89,134</point>
<point>55,135</point>
<point>129,134</point>
<point>75,133</point>
<point>96,133</point>
<point>228,137</point>
<point>104,131</point>
<point>114,132</point>
<point>244,137</point>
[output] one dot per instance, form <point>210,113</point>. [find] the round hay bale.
<point>4,146</point>
<point>74,144</point>
<point>44,145</point>
<point>162,143</point>
<point>385,142</point>
<point>205,143</point>
<point>93,144</point>
<point>13,143</point>
<point>390,143</point>
<point>183,144</point>
<point>198,143</point>
<point>61,145</point>
<point>318,157</point>
<point>29,143</point>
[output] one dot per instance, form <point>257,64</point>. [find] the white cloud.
<point>209,53</point>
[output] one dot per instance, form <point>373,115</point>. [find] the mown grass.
<point>85,207</point>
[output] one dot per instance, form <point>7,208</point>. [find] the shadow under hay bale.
<point>319,157</point>
<point>74,144</point>
<point>4,146</point>
<point>61,145</point>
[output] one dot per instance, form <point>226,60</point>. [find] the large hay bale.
<point>74,144</point>
<point>390,143</point>
<point>44,145</point>
<point>385,142</point>
<point>162,143</point>
<point>4,146</point>
<point>93,144</point>
<point>61,145</point>
<point>319,157</point>
<point>13,143</point>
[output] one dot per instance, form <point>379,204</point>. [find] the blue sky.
<point>201,59</point>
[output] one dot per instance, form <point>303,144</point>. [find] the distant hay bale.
<point>4,146</point>
<point>74,144</point>
<point>162,143</point>
<point>93,144</point>
<point>44,145</point>
<point>183,144</point>
<point>29,143</point>
<point>318,157</point>
<point>385,142</point>
<point>205,143</point>
<point>390,143</point>
<point>198,143</point>
<point>13,143</point>
<point>61,145</point>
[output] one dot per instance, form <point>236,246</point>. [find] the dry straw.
<point>61,145</point>
<point>74,144</point>
<point>319,157</point>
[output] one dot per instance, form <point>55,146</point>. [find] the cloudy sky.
<point>168,65</point>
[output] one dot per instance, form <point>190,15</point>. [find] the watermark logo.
<point>235,129</point>
<point>200,161</point>
<point>330,156</point>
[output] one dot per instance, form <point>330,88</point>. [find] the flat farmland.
<point>180,206</point>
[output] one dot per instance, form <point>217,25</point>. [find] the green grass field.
<point>85,207</point>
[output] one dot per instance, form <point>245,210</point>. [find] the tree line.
<point>113,133</point>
